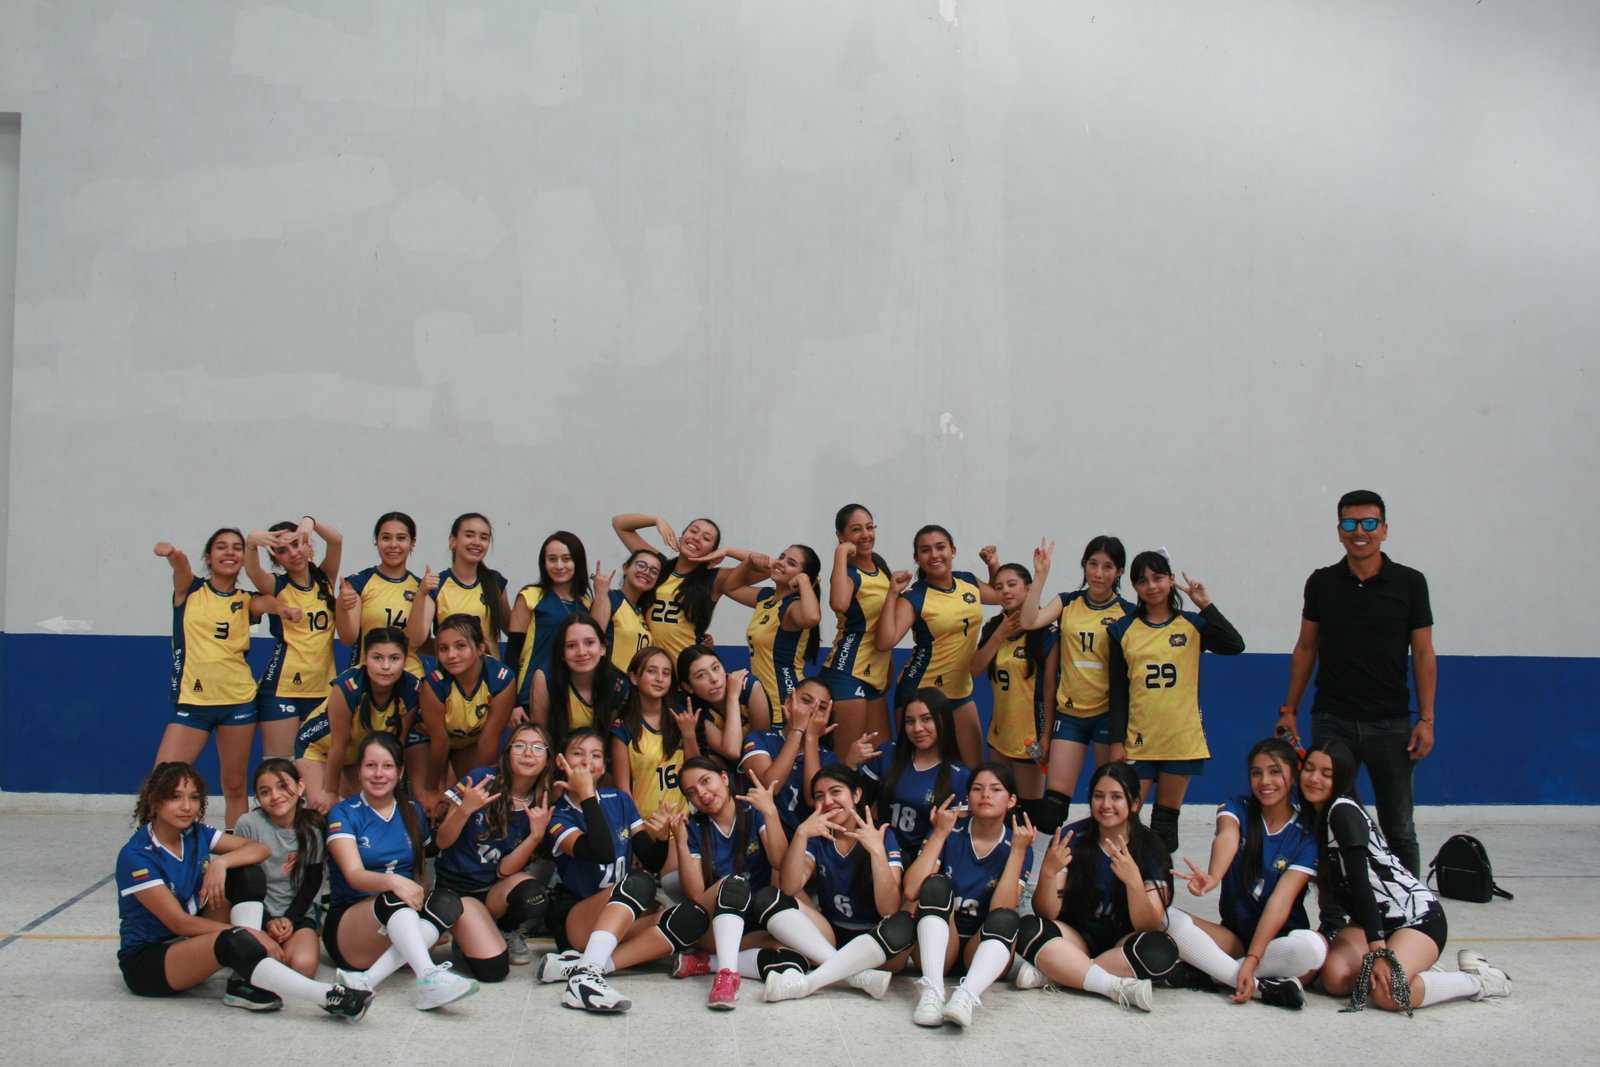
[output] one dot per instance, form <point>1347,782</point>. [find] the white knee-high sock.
<point>285,981</point>
<point>727,930</point>
<point>598,950</point>
<point>861,953</point>
<point>248,913</point>
<point>1296,953</point>
<point>1196,948</point>
<point>988,963</point>
<point>1440,986</point>
<point>793,929</point>
<point>393,959</point>
<point>1099,980</point>
<point>413,936</point>
<point>750,963</point>
<point>933,941</point>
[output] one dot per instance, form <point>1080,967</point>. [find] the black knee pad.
<point>1164,821</point>
<point>1151,954</point>
<point>1052,811</point>
<point>385,905</point>
<point>1001,925</point>
<point>769,960</point>
<point>525,904</point>
<point>1033,934</point>
<point>493,969</point>
<point>238,950</point>
<point>636,892</point>
<point>937,897</point>
<point>243,884</point>
<point>442,908</point>
<point>734,894</point>
<point>895,934</point>
<point>767,902</point>
<point>684,924</point>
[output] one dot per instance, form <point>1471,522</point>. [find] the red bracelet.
<point>1252,956</point>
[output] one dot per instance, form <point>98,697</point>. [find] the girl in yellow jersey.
<point>711,694</point>
<point>562,590</point>
<point>629,628</point>
<point>943,609</point>
<point>692,582</point>
<point>857,670</point>
<point>1155,685</point>
<point>466,703</point>
<point>782,634</point>
<point>212,687</point>
<point>384,595</point>
<point>648,742</point>
<point>1022,669</point>
<point>580,688</point>
<point>1083,693</point>
<point>467,587</point>
<point>379,696</point>
<point>301,669</point>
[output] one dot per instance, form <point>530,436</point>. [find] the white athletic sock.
<point>793,929</point>
<point>597,953</point>
<point>409,933</point>
<point>933,940</point>
<point>1099,980</point>
<point>285,981</point>
<point>1295,953</point>
<point>750,963</point>
<point>860,953</point>
<point>393,959</point>
<point>248,913</point>
<point>988,963</point>
<point>1440,986</point>
<point>727,930</point>
<point>1196,948</point>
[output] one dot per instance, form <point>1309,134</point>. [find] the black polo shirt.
<point>1364,638</point>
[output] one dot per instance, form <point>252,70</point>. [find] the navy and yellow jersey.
<point>907,810</point>
<point>384,602</point>
<point>1020,703</point>
<point>301,667</point>
<point>794,802</point>
<point>473,859</point>
<point>1109,921</point>
<point>316,733</point>
<point>670,625</point>
<point>580,712</point>
<point>1155,681</point>
<point>145,863</point>
<point>747,691</point>
<point>1083,686</point>
<point>210,637</point>
<point>627,632</point>
<point>944,635</point>
<point>704,833</point>
<point>777,656</point>
<point>464,713</point>
<point>382,841</point>
<point>585,878</point>
<point>454,598</point>
<point>652,772</point>
<point>839,897</point>
<point>853,651</point>
<point>1292,848</point>
<point>545,613</point>
<point>975,877</point>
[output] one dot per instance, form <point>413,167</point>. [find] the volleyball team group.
<point>816,820</point>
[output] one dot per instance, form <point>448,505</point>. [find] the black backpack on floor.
<point>1463,871</point>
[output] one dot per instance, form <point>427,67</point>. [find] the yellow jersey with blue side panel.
<point>652,773</point>
<point>454,598</point>
<point>777,656</point>
<point>1083,685</point>
<point>627,632</point>
<point>1155,682</point>
<point>545,613</point>
<point>944,633</point>
<point>302,660</point>
<point>385,601</point>
<point>853,651</point>
<point>210,639</point>
<point>1020,706</point>
<point>394,718</point>
<point>670,625</point>
<point>464,713</point>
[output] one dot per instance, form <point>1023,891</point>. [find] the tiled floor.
<point>64,1002</point>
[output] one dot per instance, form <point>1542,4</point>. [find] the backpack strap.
<point>1501,892</point>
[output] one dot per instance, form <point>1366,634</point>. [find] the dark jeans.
<point>1380,745</point>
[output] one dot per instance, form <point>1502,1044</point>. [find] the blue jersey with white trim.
<point>1106,926</point>
<point>585,877</point>
<point>791,797</point>
<point>975,877</point>
<point>145,863</point>
<point>908,809</point>
<point>722,845</point>
<point>1292,848</point>
<point>383,843</point>
<point>474,857</point>
<point>835,875</point>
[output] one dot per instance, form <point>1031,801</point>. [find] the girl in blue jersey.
<point>857,672</point>
<point>1264,856</point>
<point>563,589</point>
<point>782,635</point>
<point>718,698</point>
<point>489,836</point>
<point>465,705</point>
<point>581,689</point>
<point>381,914</point>
<point>190,902</point>
<point>967,882</point>
<point>298,675</point>
<point>384,595</point>
<point>378,695</point>
<point>1101,902</point>
<point>919,771</point>
<point>293,872</point>
<point>782,761</point>
<point>943,611</point>
<point>468,585</point>
<point>1021,666</point>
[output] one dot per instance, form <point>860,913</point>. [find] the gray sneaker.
<point>517,948</point>
<point>1495,982</point>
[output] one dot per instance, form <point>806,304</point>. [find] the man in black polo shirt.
<point>1363,617</point>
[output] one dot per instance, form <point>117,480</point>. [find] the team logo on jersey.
<point>198,688</point>
<point>410,595</point>
<point>969,598</point>
<point>235,606</point>
<point>1138,740</point>
<point>296,679</point>
<point>1177,640</point>
<point>482,711</point>
<point>624,833</point>
<point>1280,864</point>
<point>764,619</point>
<point>1108,620</point>
<point>364,841</point>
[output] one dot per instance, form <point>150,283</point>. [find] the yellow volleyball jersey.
<point>627,632</point>
<point>670,626</point>
<point>210,638</point>
<point>776,655</point>
<point>454,598</point>
<point>1082,688</point>
<point>302,660</point>
<point>854,652</point>
<point>945,634</point>
<point>465,713</point>
<point>352,686</point>
<point>652,774</point>
<point>1018,716</point>
<point>1163,672</point>
<point>580,712</point>
<point>385,602</point>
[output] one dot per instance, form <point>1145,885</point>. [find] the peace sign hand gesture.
<point>1195,591</point>
<point>1041,559</point>
<point>1200,882</point>
<point>1059,852</point>
<point>1124,866</point>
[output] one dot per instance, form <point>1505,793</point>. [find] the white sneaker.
<point>587,989</point>
<point>1028,976</point>
<point>517,948</point>
<point>958,1009</point>
<point>930,1005</point>
<point>438,986</point>
<point>1135,993</point>
<point>1495,982</point>
<point>354,980</point>
<point>558,966</point>
<point>787,984</point>
<point>873,983</point>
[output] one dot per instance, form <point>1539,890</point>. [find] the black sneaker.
<point>1282,993</point>
<point>241,994</point>
<point>348,1004</point>
<point>1184,976</point>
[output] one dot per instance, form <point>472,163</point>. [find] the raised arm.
<point>841,590</point>
<point>182,573</point>
<point>1035,613</point>
<point>897,616</point>
<point>627,529</point>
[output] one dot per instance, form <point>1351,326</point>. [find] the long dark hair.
<point>486,576</point>
<point>900,758</point>
<point>860,862</point>
<point>1345,769</point>
<point>579,585</point>
<point>931,528</point>
<point>206,552</point>
<point>695,588</point>
<point>1080,898</point>
<point>1033,641</point>
<point>841,522</point>
<point>364,713</point>
<point>1154,561</point>
<point>395,516</point>
<point>318,577</point>
<point>741,819</point>
<point>497,814</point>
<point>603,697</point>
<point>632,715</point>
<point>1113,549</point>
<point>308,824</point>
<point>162,785</point>
<point>1282,752</point>
<point>811,567</point>
<point>402,801</point>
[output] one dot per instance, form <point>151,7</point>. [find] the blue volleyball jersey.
<point>975,877</point>
<point>794,801</point>
<point>545,614</point>
<point>836,881</point>
<point>721,845</point>
<point>1292,848</point>
<point>1103,927</point>
<point>583,877</point>
<point>474,858</point>
<point>383,843</point>
<point>145,863</point>
<point>912,802</point>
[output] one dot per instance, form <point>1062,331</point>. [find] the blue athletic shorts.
<point>1147,769</point>
<point>208,717</point>
<point>1095,729</point>
<point>843,686</point>
<point>276,709</point>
